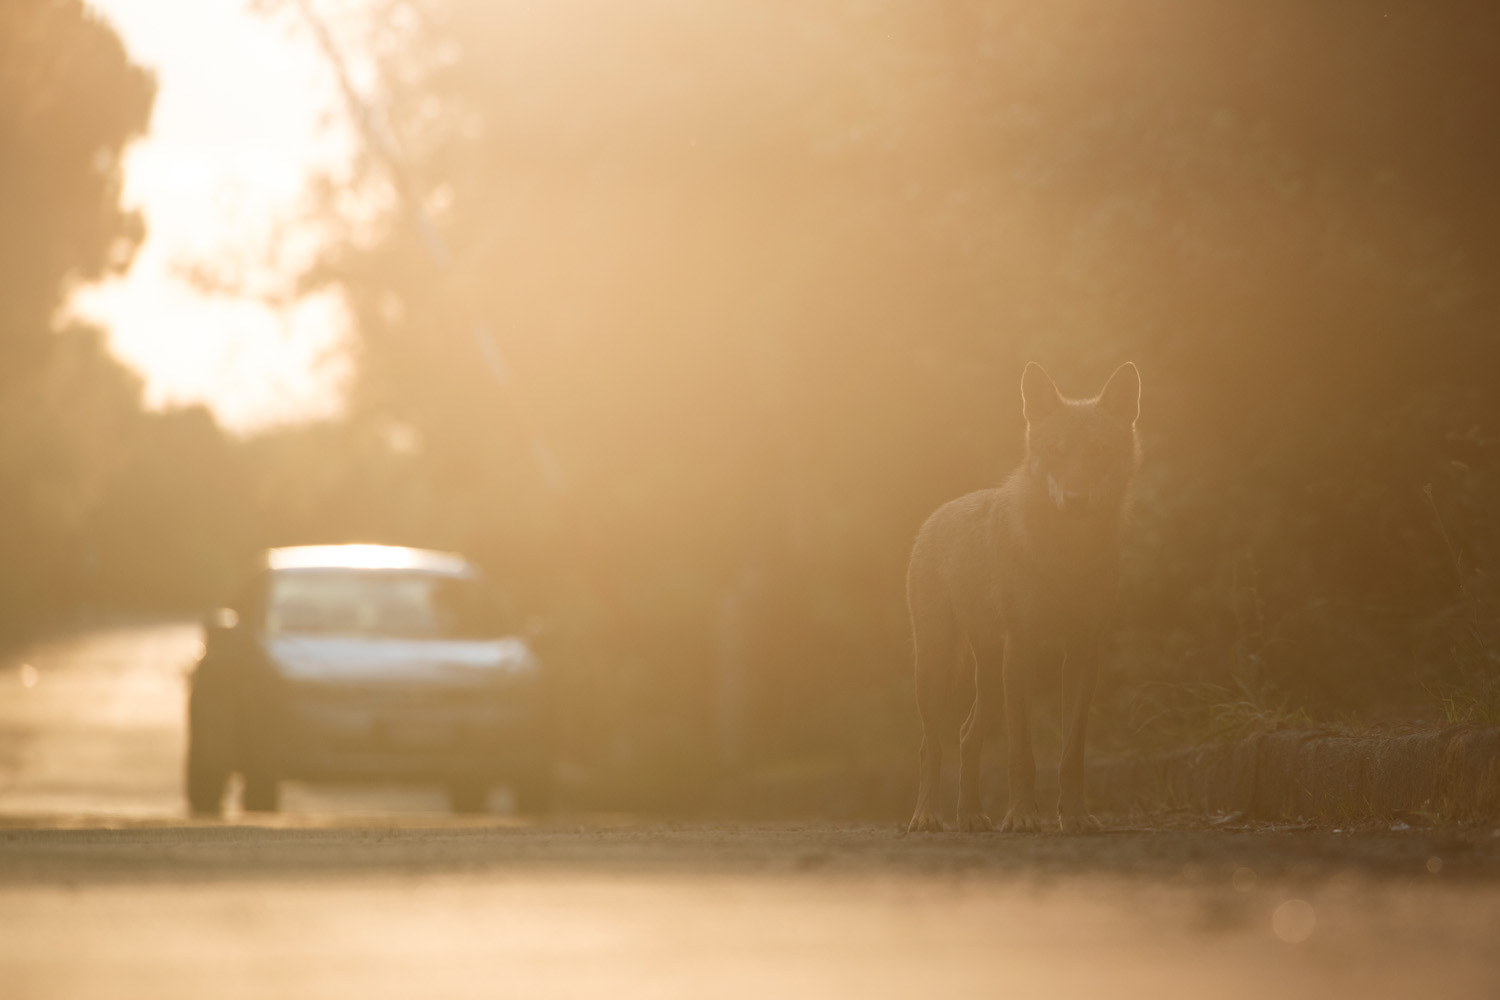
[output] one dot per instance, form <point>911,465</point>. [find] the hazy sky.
<point>245,110</point>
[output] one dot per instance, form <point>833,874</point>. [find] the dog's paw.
<point>1078,822</point>
<point>974,822</point>
<point>924,822</point>
<point>1021,819</point>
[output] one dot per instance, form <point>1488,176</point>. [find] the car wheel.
<point>262,793</point>
<point>211,742</point>
<point>534,791</point>
<point>467,798</point>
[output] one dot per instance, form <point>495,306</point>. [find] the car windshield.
<point>386,604</point>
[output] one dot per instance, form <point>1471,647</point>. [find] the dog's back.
<point>960,564</point>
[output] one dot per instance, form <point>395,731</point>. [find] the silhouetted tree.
<point>70,101</point>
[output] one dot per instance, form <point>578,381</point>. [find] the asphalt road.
<point>107,890</point>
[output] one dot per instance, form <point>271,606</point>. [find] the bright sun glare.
<point>245,113</point>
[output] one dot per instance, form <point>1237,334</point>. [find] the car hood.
<point>353,658</point>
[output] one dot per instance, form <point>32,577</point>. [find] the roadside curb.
<point>1452,774</point>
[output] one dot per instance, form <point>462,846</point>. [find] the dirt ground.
<point>107,890</point>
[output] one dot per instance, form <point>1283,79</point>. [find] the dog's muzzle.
<point>1073,502</point>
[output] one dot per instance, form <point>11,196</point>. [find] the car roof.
<point>369,557</point>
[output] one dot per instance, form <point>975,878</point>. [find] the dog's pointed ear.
<point>1039,395</point>
<point>1121,397</point>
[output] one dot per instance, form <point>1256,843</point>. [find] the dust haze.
<point>677,321</point>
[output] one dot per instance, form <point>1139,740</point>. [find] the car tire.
<point>468,798</point>
<point>533,791</point>
<point>262,793</point>
<point>211,746</point>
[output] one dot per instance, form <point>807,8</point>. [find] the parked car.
<point>367,662</point>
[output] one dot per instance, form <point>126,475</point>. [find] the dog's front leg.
<point>1022,656</point>
<point>1080,671</point>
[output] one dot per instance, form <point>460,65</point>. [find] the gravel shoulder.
<point>1177,851</point>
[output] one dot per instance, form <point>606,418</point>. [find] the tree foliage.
<point>764,277</point>
<point>760,281</point>
<point>70,100</point>
<point>101,504</point>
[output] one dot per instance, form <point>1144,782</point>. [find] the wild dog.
<point>1013,580</point>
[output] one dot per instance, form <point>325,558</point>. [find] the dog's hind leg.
<point>987,666</point>
<point>937,648</point>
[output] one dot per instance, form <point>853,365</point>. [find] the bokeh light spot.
<point>1294,921</point>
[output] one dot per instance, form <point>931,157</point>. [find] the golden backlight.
<point>679,318</point>
<point>463,468</point>
<point>246,116</point>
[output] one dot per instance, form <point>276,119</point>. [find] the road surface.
<point>107,890</point>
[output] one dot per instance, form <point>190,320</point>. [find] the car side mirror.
<point>219,625</point>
